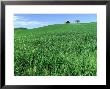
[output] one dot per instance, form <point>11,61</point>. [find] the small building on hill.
<point>67,22</point>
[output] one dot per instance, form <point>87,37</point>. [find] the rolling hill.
<point>56,50</point>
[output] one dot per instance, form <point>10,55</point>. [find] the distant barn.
<point>67,22</point>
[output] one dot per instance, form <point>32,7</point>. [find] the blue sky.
<point>39,20</point>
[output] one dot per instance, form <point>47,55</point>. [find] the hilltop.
<point>63,27</point>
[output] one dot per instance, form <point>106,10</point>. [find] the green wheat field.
<point>56,50</point>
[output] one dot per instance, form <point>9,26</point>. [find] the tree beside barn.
<point>77,21</point>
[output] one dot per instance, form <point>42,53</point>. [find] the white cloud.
<point>20,21</point>
<point>18,18</point>
<point>29,24</point>
<point>26,23</point>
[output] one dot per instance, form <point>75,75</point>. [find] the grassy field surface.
<point>56,50</point>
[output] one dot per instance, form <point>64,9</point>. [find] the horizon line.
<point>52,24</point>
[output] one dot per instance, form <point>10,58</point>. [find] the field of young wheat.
<point>56,50</point>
